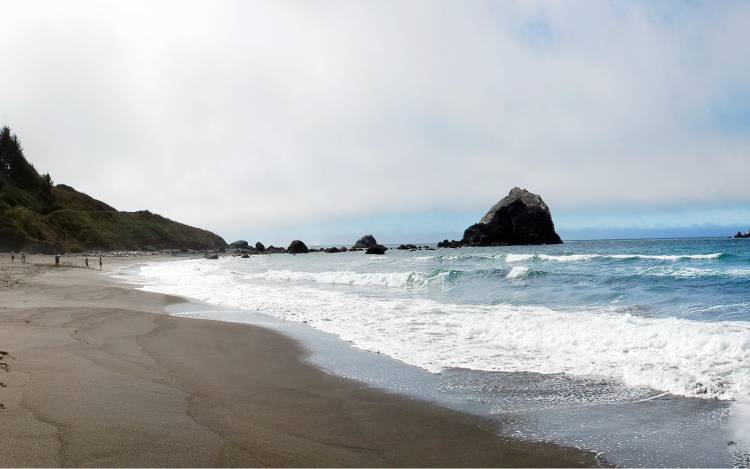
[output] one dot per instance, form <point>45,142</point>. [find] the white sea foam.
<point>691,272</point>
<point>567,257</point>
<point>675,257</point>
<point>518,257</point>
<point>385,279</point>
<point>588,257</point>
<point>519,271</point>
<point>680,356</point>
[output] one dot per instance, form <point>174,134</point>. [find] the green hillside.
<point>38,216</point>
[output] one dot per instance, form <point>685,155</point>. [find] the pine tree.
<point>47,185</point>
<point>14,165</point>
<point>5,147</point>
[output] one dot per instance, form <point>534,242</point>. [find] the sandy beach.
<point>96,375</point>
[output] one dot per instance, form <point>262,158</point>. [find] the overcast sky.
<point>271,120</point>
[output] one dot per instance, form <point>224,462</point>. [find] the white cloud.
<point>268,114</point>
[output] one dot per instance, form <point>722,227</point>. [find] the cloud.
<point>251,116</point>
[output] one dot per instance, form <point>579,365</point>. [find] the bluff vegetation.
<point>37,215</point>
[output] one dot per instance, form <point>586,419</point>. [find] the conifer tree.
<point>14,165</point>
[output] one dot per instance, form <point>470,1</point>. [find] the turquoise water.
<point>697,279</point>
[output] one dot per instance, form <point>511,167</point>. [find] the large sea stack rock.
<point>520,218</point>
<point>297,247</point>
<point>366,241</point>
<point>259,247</point>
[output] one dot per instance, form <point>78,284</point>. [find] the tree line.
<point>15,169</point>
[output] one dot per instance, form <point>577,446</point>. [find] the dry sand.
<point>96,375</point>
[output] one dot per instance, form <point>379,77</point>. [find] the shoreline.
<point>99,375</point>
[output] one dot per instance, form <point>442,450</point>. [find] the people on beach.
<point>86,261</point>
<point>100,262</point>
<point>13,256</point>
<point>57,260</point>
<point>23,257</point>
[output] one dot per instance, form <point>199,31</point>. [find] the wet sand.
<point>97,375</point>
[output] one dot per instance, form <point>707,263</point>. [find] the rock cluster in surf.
<point>521,217</point>
<point>242,248</point>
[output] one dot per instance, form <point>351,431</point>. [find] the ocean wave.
<point>374,279</point>
<point>676,257</point>
<point>588,257</point>
<point>391,279</point>
<point>520,272</point>
<point>385,279</point>
<point>693,272</point>
<point>519,257</point>
<point>679,356</point>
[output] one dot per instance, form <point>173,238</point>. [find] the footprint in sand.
<point>4,366</point>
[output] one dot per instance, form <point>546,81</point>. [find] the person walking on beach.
<point>87,262</point>
<point>100,262</point>
<point>12,256</point>
<point>57,260</point>
<point>23,257</point>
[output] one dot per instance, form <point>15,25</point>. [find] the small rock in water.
<point>377,249</point>
<point>297,247</point>
<point>449,244</point>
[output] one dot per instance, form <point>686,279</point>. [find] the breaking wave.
<point>679,356</point>
<point>588,257</point>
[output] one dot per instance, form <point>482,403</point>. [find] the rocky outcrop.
<point>377,249</point>
<point>211,256</point>
<point>740,235</point>
<point>259,247</point>
<point>297,247</point>
<point>241,244</point>
<point>449,244</point>
<point>520,218</point>
<point>414,247</point>
<point>366,241</point>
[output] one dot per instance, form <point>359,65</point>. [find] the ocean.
<point>636,349</point>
